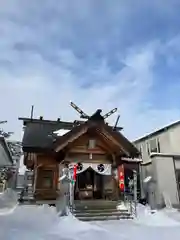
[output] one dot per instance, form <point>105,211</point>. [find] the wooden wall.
<point>81,145</point>
<point>46,174</point>
<point>47,169</point>
<point>79,150</point>
<point>96,158</point>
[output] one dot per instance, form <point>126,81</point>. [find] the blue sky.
<point>97,53</point>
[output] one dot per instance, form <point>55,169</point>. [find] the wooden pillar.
<point>115,183</point>
<point>35,171</point>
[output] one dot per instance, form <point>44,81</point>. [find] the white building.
<point>160,152</point>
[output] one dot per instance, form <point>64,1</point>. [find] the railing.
<point>131,204</point>
<point>133,209</point>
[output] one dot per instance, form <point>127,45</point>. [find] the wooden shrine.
<point>100,152</point>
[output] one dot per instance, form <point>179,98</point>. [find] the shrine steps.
<point>99,210</point>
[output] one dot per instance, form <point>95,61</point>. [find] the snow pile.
<point>32,222</point>
<point>147,217</point>
<point>28,222</point>
<point>8,201</point>
<point>61,132</point>
<point>43,223</point>
<point>122,206</point>
<point>172,213</point>
<point>77,226</point>
<point>71,228</point>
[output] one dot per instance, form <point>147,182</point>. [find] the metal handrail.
<point>133,209</point>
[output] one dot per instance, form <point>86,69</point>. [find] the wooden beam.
<point>132,160</point>
<point>110,148</point>
<point>109,143</point>
<point>93,151</point>
<point>108,136</point>
<point>104,146</point>
<point>72,138</point>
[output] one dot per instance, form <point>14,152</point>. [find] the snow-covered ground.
<point>38,223</point>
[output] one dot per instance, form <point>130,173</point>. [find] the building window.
<point>178,180</point>
<point>140,150</point>
<point>47,182</point>
<point>91,143</point>
<point>158,146</point>
<point>148,148</point>
<point>45,179</point>
<point>153,146</point>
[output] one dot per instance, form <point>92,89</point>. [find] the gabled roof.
<point>100,128</point>
<point>38,133</point>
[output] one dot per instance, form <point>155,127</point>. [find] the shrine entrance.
<point>91,180</point>
<point>89,185</point>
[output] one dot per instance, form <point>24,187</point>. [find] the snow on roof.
<point>61,132</point>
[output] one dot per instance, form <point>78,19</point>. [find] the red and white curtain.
<point>101,168</point>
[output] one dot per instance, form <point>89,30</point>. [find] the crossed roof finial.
<point>96,116</point>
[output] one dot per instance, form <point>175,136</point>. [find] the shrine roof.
<point>39,133</point>
<point>82,128</point>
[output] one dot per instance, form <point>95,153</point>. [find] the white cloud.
<point>127,90</point>
<point>37,66</point>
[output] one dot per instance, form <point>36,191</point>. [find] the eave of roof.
<point>119,136</point>
<point>65,124</point>
<point>43,121</point>
<point>155,133</point>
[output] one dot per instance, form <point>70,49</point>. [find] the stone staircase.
<point>99,210</point>
<point>26,195</point>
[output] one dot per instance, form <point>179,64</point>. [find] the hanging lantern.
<point>121,177</point>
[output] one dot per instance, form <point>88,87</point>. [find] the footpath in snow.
<point>38,223</point>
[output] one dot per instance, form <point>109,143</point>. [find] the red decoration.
<point>121,177</point>
<point>121,186</point>
<point>74,172</point>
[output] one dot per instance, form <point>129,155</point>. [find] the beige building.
<point>160,152</point>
